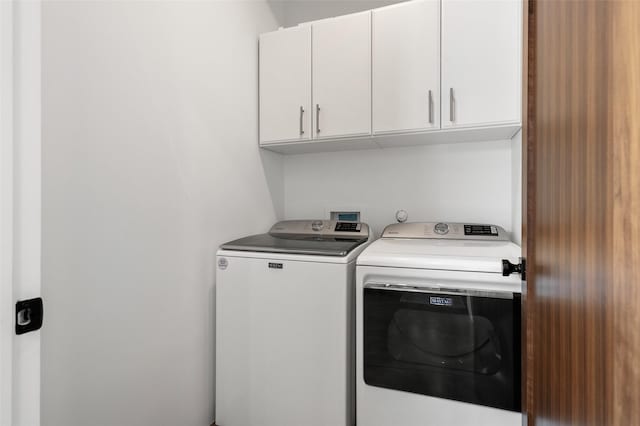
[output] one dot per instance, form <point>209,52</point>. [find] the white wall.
<point>149,163</point>
<point>463,182</point>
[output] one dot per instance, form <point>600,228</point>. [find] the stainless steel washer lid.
<point>312,237</point>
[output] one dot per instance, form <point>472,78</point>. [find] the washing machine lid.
<point>420,246</point>
<point>308,237</point>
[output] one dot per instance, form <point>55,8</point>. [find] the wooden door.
<point>481,62</point>
<point>285,85</point>
<point>406,67</point>
<point>582,238</point>
<point>342,76</point>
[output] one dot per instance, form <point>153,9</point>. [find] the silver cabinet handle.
<point>301,125</point>
<point>452,106</point>
<point>430,108</point>
<point>317,118</point>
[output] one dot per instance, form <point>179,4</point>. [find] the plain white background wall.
<point>149,163</point>
<point>450,182</point>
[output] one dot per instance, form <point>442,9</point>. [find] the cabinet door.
<point>342,76</point>
<point>285,85</point>
<point>406,67</point>
<point>481,62</point>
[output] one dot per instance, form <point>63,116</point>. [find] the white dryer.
<point>438,327</point>
<point>285,325</point>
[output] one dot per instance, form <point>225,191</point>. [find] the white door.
<point>285,85</point>
<point>481,62</point>
<point>406,67</point>
<point>19,210</point>
<point>342,76</point>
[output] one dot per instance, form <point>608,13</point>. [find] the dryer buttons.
<point>441,228</point>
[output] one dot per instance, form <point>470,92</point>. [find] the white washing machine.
<point>438,327</point>
<point>285,325</point>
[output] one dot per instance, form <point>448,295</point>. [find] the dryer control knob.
<point>317,225</point>
<point>441,228</point>
<point>402,216</point>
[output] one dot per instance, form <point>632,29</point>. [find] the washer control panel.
<point>446,230</point>
<point>321,228</point>
<point>348,227</point>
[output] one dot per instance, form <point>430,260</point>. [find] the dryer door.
<point>460,345</point>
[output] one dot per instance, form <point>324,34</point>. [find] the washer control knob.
<point>402,216</point>
<point>317,225</point>
<point>441,228</point>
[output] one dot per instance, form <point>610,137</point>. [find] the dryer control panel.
<point>446,230</point>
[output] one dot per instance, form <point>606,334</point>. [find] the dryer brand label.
<point>441,301</point>
<point>275,265</point>
<point>223,263</point>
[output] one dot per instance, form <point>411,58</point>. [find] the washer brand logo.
<point>275,265</point>
<point>223,263</point>
<point>441,301</point>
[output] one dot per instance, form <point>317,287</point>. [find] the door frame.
<point>6,212</point>
<point>20,206</point>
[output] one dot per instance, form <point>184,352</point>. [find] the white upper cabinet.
<point>417,72</point>
<point>285,85</point>
<point>481,62</point>
<point>406,67</point>
<point>342,76</point>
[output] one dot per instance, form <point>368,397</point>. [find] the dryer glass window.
<point>454,346</point>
